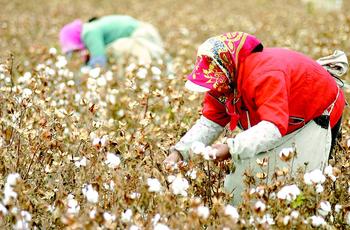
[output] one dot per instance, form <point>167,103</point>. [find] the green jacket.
<point>99,33</point>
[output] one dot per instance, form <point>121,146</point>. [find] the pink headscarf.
<point>218,59</point>
<point>70,36</point>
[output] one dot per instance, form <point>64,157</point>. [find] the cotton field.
<point>82,148</point>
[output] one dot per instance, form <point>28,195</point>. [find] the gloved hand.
<point>98,61</point>
<point>172,159</point>
<point>222,152</point>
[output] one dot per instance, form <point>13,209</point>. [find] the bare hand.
<point>222,152</point>
<point>172,159</point>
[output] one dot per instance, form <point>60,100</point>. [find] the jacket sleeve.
<point>214,110</point>
<point>204,131</point>
<point>257,139</point>
<point>94,42</point>
<point>270,93</point>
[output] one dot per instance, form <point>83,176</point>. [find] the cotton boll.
<point>154,185</point>
<point>203,212</point>
<point>101,81</point>
<point>112,160</point>
<point>3,209</point>
<point>80,162</point>
<point>25,78</point>
<point>337,208</point>
<point>135,195</point>
<point>179,186</point>
<point>70,83</point>
<point>294,214</point>
<point>26,93</point>
<point>317,221</point>
<point>155,70</point>
<point>96,142</point>
<point>259,206</point>
<point>142,73</point>
<point>328,171</point>
<point>104,140</point>
<point>325,208</point>
<point>90,193</point>
<point>12,179</point>
<point>231,212</point>
<point>171,178</point>
<point>134,227</point>
<point>95,72</point>
<point>160,226</point>
<point>26,216</point>
<point>61,62</point>
<point>108,217</point>
<point>126,216</point>
<point>21,225</point>
<point>266,219</point>
<point>347,218</point>
<point>155,219</point>
<point>130,67</point>
<point>92,214</point>
<point>73,206</point>
<point>319,188</point>
<point>192,174</point>
<point>286,220</point>
<point>53,51</point>
<point>314,177</point>
<point>109,75</point>
<point>288,193</point>
<point>286,154</point>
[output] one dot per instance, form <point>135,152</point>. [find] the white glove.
<point>257,139</point>
<point>204,131</point>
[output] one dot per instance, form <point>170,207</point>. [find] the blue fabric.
<point>97,61</point>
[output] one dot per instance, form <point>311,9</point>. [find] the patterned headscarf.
<point>218,59</point>
<point>70,36</point>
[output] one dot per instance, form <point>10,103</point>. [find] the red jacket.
<point>280,86</point>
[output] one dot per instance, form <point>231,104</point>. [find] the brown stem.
<point>146,108</point>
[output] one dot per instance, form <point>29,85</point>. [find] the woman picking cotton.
<point>278,97</point>
<point>117,36</point>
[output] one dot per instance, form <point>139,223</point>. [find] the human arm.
<point>207,128</point>
<point>270,93</point>
<point>94,42</point>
